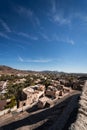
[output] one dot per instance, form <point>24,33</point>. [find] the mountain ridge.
<point>4,69</point>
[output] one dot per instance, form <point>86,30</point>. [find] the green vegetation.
<point>12,103</point>
<point>9,77</point>
<point>14,92</point>
<point>46,82</point>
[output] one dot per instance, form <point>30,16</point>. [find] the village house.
<point>66,89</point>
<point>44,102</point>
<point>42,96</point>
<point>32,94</point>
<point>51,91</point>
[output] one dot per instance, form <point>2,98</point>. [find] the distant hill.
<point>8,70</point>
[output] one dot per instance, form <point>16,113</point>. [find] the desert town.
<point>38,94</point>
<point>36,88</point>
<point>22,95</point>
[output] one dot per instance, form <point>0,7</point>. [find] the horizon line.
<point>19,69</point>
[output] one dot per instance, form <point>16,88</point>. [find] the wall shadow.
<point>72,119</point>
<point>33,109</point>
<point>35,118</point>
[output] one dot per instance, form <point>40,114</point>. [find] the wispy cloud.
<point>37,21</point>
<point>34,60</point>
<point>20,59</point>
<point>44,36</point>
<point>24,11</point>
<point>57,16</point>
<point>80,16</point>
<point>27,35</point>
<point>70,41</point>
<point>53,6</point>
<point>5,26</point>
<point>4,35</point>
<point>28,13</point>
<point>64,39</point>
<point>20,41</point>
<point>56,38</point>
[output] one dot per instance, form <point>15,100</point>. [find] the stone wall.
<point>6,111</point>
<point>81,121</point>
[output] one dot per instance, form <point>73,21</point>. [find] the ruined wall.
<point>81,121</point>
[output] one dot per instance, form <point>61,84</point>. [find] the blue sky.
<point>44,34</point>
